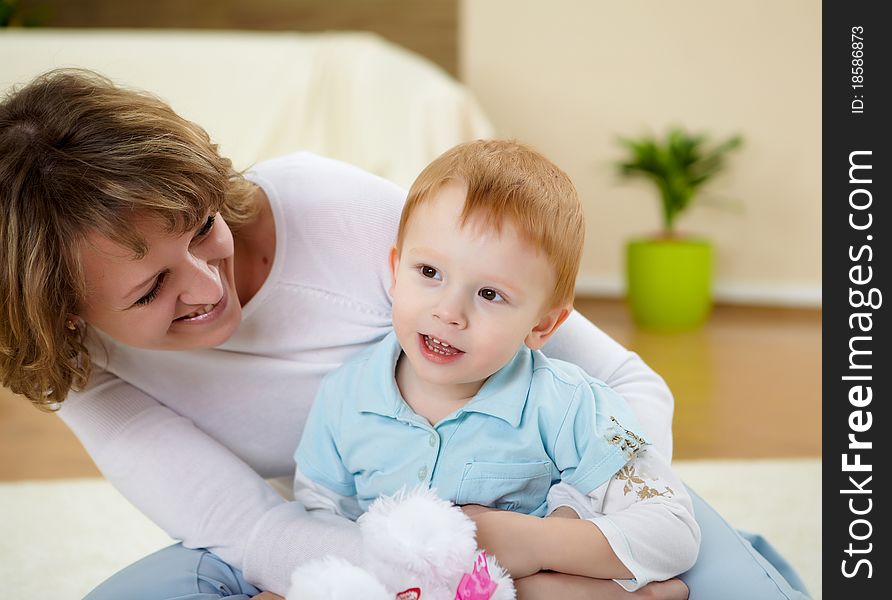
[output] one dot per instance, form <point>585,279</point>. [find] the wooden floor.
<point>746,385</point>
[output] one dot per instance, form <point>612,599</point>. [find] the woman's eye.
<point>490,295</point>
<point>206,228</point>
<point>429,272</point>
<point>153,293</point>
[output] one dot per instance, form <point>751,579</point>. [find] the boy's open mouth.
<point>438,346</point>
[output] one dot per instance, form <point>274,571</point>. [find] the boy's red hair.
<point>507,180</point>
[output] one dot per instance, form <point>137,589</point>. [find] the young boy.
<point>460,399</point>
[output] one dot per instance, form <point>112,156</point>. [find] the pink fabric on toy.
<point>476,585</point>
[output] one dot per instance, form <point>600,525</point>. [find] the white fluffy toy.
<point>416,547</point>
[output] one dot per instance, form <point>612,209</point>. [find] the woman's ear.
<point>394,261</point>
<point>72,322</point>
<point>546,326</point>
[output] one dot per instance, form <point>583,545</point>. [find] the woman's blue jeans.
<point>731,566</point>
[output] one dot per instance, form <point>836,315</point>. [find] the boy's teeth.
<point>439,347</point>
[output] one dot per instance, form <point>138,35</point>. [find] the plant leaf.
<point>678,166</point>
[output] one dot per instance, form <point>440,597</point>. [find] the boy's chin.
<point>429,374</point>
<point>438,375</point>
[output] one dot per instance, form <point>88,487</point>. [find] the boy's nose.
<point>450,312</point>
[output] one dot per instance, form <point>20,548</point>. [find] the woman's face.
<point>181,295</point>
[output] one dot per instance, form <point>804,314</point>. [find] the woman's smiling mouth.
<point>206,313</point>
<point>201,311</point>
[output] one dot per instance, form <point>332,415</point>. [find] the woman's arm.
<point>196,489</point>
<point>580,342</point>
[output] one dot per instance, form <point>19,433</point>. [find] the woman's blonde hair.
<point>80,154</point>
<point>509,180</point>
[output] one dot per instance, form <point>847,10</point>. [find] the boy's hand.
<point>509,536</point>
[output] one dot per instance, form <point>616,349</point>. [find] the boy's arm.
<point>315,496</point>
<point>525,544</point>
<point>643,513</point>
<point>321,480</point>
<point>637,536</point>
<point>580,342</point>
<point>550,585</point>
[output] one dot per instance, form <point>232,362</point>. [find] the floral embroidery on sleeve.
<point>633,480</point>
<point>628,441</point>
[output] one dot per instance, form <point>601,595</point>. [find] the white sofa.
<point>351,96</point>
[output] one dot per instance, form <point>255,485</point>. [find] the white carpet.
<point>60,538</point>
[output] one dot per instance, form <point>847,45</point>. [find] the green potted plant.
<point>669,275</point>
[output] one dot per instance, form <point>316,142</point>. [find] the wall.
<point>570,76</point>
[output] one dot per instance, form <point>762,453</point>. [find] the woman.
<point>180,317</point>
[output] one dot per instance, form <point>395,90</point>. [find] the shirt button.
<point>422,473</point>
<point>432,440</point>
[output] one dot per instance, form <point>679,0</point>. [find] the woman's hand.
<point>545,586</point>
<point>267,596</point>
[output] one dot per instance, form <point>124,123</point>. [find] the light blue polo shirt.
<point>535,422</point>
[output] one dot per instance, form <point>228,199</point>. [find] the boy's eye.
<point>429,272</point>
<point>490,295</point>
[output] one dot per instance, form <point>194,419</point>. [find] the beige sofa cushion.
<point>351,96</point>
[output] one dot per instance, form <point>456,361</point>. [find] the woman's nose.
<point>204,284</point>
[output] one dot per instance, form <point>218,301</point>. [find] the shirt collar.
<point>504,394</point>
<point>380,394</point>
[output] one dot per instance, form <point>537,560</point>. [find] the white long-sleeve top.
<point>190,437</point>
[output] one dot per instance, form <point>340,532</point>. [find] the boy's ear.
<point>546,326</point>
<point>394,260</point>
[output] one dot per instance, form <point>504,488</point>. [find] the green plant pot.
<point>669,282</point>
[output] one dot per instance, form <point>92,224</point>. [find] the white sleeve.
<point>195,489</point>
<point>646,515</point>
<point>580,342</point>
<point>318,497</point>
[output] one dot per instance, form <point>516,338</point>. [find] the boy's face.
<point>465,299</point>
